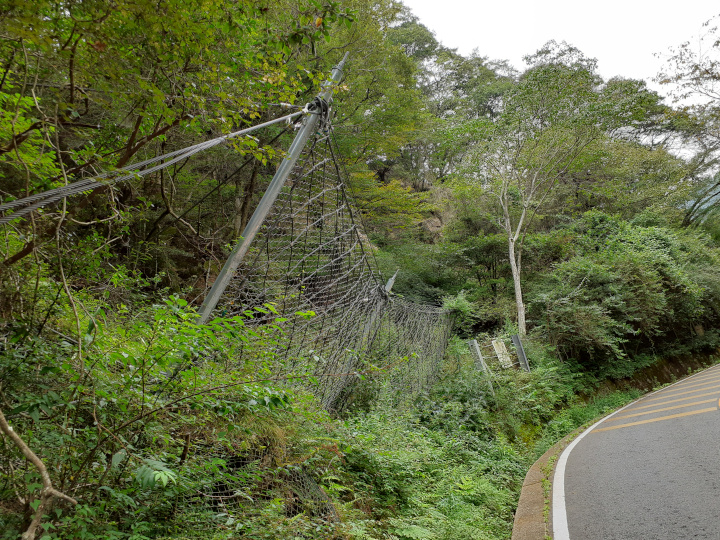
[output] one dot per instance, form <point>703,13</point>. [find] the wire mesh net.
<point>315,265</point>
<point>239,484</point>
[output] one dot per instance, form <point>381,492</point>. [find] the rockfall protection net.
<point>312,256</point>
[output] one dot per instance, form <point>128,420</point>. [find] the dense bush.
<point>418,482</point>
<point>452,468</point>
<point>160,432</point>
<point>158,427</point>
<point>627,290</point>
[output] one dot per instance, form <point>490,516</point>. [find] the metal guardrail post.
<point>475,350</point>
<point>272,192</point>
<point>521,353</point>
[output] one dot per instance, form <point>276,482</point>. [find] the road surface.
<point>649,471</point>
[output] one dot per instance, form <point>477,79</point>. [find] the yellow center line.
<point>614,418</point>
<point>671,401</point>
<point>680,415</point>
<point>705,373</point>
<point>673,394</point>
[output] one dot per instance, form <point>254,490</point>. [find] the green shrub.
<point>627,290</point>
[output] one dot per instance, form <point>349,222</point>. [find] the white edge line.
<point>559,510</point>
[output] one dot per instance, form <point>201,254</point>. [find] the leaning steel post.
<point>265,204</point>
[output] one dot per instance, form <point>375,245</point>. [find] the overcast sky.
<point>622,34</point>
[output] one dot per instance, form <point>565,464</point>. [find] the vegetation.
<point>546,202</point>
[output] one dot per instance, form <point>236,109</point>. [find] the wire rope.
<point>39,200</point>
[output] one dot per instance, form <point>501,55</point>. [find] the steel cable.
<point>34,202</point>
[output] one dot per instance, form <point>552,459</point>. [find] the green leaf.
<point>118,458</point>
<point>415,532</point>
<point>145,476</point>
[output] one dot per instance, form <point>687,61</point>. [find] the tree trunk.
<point>243,200</point>
<point>522,328</point>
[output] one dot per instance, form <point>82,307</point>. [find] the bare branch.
<point>48,492</point>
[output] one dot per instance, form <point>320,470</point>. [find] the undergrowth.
<point>159,433</point>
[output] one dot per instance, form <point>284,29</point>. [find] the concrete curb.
<point>530,514</point>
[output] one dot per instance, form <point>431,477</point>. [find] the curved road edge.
<point>541,516</point>
<point>531,522</point>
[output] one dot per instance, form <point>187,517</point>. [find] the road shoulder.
<point>532,517</point>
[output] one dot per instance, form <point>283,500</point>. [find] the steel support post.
<point>253,227</point>
<point>521,353</point>
<point>475,350</point>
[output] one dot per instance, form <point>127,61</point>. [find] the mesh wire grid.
<point>312,256</point>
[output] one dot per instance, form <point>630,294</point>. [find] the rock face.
<point>432,227</point>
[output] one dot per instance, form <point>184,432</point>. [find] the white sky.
<point>621,34</point>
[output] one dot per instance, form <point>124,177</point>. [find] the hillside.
<point>319,399</point>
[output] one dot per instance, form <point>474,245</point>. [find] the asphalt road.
<point>651,470</point>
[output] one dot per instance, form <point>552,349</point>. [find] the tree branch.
<point>48,492</point>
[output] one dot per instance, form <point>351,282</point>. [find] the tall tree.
<point>557,109</point>
<point>693,74</point>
